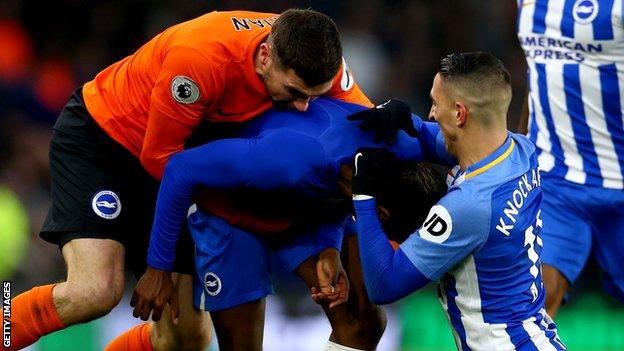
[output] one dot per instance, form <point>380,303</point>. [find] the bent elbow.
<point>381,300</point>
<point>379,297</point>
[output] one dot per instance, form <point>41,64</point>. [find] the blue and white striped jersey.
<point>482,242</point>
<point>575,53</point>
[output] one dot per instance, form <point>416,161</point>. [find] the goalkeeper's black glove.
<point>386,120</point>
<point>371,168</point>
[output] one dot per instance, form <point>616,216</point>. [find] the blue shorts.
<point>233,266</point>
<point>578,219</point>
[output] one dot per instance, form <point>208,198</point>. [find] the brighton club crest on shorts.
<point>106,204</point>
<point>212,284</point>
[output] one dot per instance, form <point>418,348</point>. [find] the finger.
<point>322,298</point>
<point>378,137</point>
<point>328,289</point>
<point>337,303</point>
<point>384,129</point>
<point>157,313</point>
<point>134,299</point>
<point>136,312</point>
<point>391,131</point>
<point>175,308</point>
<point>318,298</point>
<point>358,116</point>
<point>371,121</point>
<point>410,129</point>
<point>145,311</point>
<point>337,300</point>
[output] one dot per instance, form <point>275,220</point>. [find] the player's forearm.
<point>388,274</point>
<point>174,199</point>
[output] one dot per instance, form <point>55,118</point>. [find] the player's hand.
<point>386,120</point>
<point>153,291</point>
<point>333,282</point>
<point>370,166</point>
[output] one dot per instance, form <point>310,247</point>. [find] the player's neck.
<point>478,145</point>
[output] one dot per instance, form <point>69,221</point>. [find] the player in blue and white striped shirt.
<point>481,241</point>
<point>575,54</point>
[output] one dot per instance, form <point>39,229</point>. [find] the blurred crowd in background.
<point>48,48</point>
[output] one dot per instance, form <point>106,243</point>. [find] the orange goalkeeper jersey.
<point>151,101</point>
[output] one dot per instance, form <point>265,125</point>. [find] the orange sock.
<point>135,339</point>
<point>33,315</point>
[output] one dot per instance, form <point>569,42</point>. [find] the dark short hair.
<point>308,42</point>
<point>408,193</point>
<point>480,65</point>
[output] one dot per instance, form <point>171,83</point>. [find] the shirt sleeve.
<point>388,274</point>
<point>455,227</point>
<point>429,145</point>
<point>331,234</point>
<point>185,89</point>
<point>272,161</point>
<point>346,89</point>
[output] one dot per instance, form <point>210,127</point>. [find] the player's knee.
<point>104,299</point>
<point>193,342</point>
<point>371,323</point>
<point>189,337</point>
<point>108,299</point>
<point>98,297</point>
<point>189,341</point>
<point>197,339</point>
<point>367,325</point>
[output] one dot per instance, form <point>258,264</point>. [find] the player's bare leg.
<point>357,323</point>
<point>556,286</point>
<point>240,328</point>
<point>95,282</point>
<point>193,330</point>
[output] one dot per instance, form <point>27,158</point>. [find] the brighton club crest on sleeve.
<point>184,90</point>
<point>106,204</point>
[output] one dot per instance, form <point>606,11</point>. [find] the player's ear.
<point>264,54</point>
<point>383,214</point>
<point>461,113</point>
